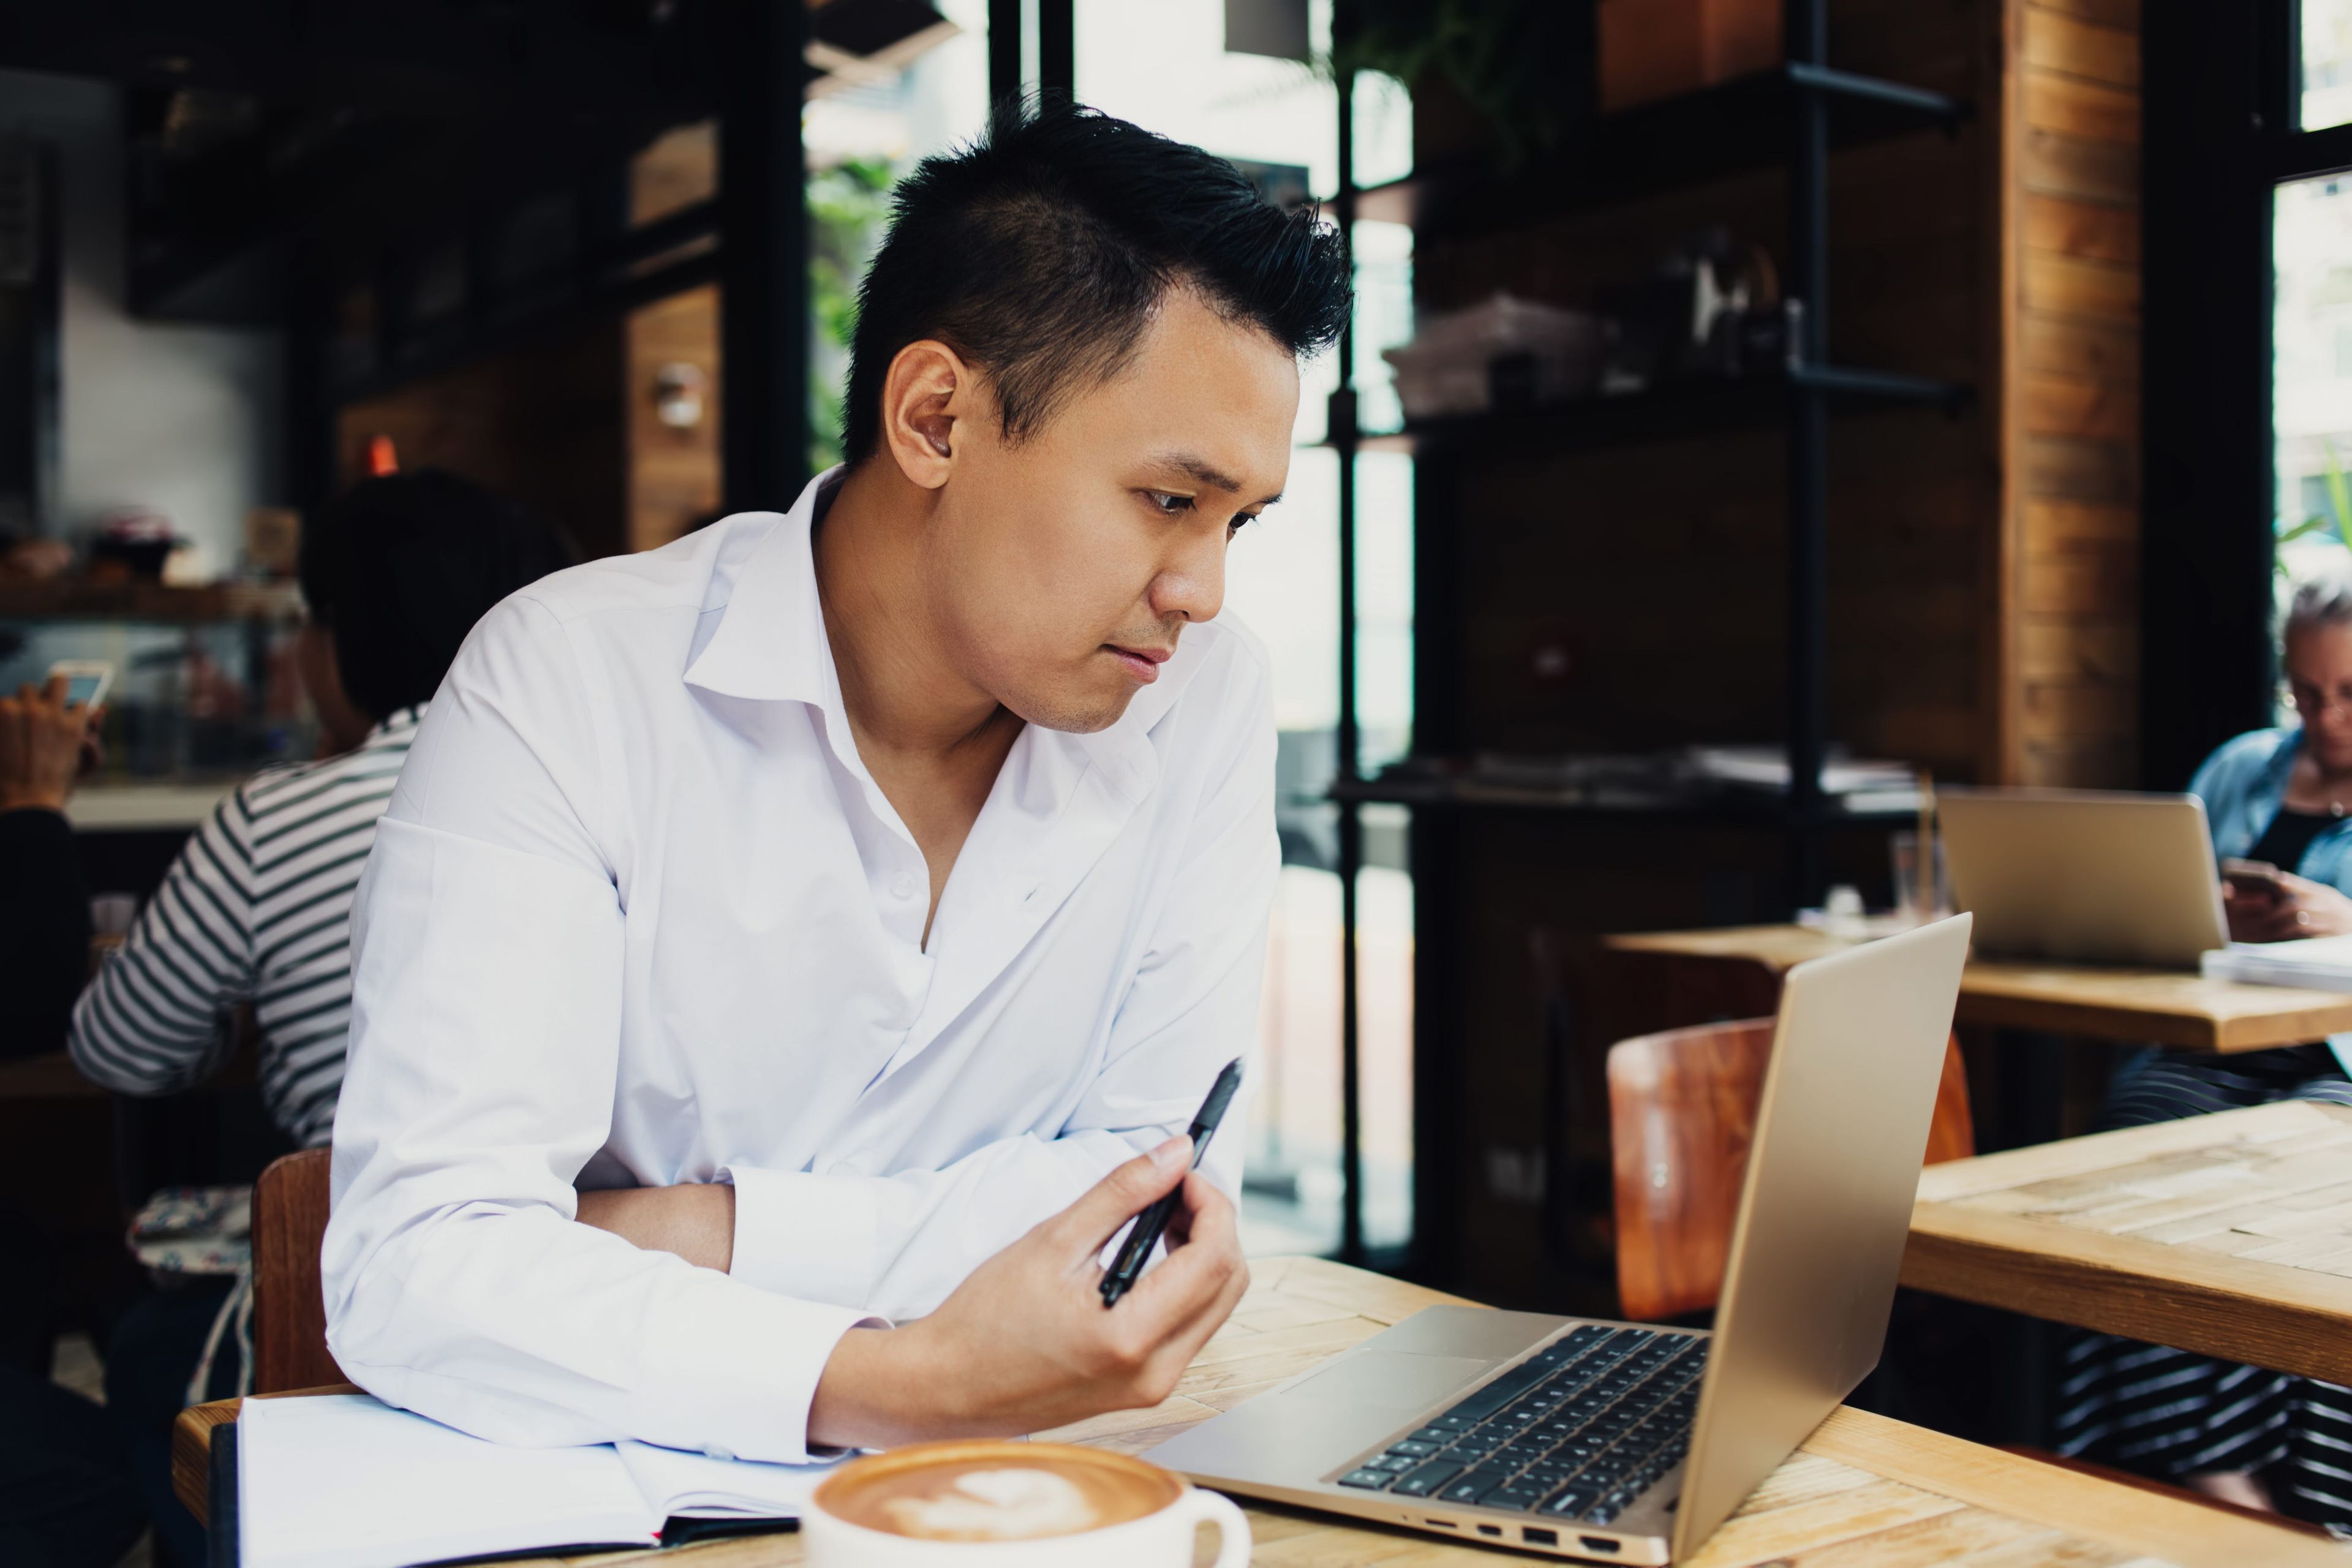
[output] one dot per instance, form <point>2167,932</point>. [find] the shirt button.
<point>902,887</point>
<point>720,1454</point>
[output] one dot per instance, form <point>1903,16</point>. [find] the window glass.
<point>2326,63</point>
<point>2312,371</point>
<point>1163,64</point>
<point>867,124</point>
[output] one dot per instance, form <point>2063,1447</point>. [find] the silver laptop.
<point>1623,1443</point>
<point>2085,876</point>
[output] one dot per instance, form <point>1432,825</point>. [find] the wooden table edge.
<point>2003,994</point>
<point>191,1441</point>
<point>2169,1528</point>
<point>2098,1021</point>
<point>2289,1320</point>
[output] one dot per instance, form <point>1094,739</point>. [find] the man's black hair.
<point>400,568</point>
<point>1040,253</point>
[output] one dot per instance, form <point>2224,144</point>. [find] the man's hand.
<point>42,740</point>
<point>1025,1342</point>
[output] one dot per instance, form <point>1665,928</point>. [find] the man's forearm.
<point>695,1221</point>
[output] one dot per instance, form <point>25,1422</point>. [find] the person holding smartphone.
<point>46,744</point>
<point>2280,801</point>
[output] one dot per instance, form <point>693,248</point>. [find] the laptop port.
<point>1535,1537</point>
<point>1490,1529</point>
<point>1441,1523</point>
<point>1599,1543</point>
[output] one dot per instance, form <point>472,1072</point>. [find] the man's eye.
<point>1170,504</point>
<point>1240,518</point>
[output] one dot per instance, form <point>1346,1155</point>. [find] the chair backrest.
<point>289,1307</point>
<point>1589,996</point>
<point>1682,1113</point>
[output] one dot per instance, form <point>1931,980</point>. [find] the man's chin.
<point>1074,713</point>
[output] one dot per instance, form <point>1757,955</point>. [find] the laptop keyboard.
<point>1577,1431</point>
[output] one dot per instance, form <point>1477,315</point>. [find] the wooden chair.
<point>1589,996</point>
<point>289,1307</point>
<point>1682,1113</point>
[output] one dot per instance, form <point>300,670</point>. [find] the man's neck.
<point>906,697</point>
<point>933,740</point>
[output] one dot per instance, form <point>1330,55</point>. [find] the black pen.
<point>1151,1221</point>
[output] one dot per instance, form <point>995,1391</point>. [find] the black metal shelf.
<point>1695,406</point>
<point>1787,120</point>
<point>1737,128</point>
<point>1728,809</point>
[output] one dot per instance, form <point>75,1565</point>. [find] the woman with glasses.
<point>2281,797</point>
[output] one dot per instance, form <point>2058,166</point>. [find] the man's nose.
<point>1192,584</point>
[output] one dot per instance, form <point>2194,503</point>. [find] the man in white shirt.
<point>839,910</point>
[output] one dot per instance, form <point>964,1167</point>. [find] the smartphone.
<point>87,679</point>
<point>2255,879</point>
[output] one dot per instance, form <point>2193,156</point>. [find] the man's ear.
<point>928,397</point>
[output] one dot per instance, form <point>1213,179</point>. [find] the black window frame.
<point>2221,131</point>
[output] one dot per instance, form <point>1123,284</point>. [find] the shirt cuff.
<point>765,1414</point>
<point>802,1235</point>
<point>816,1238</point>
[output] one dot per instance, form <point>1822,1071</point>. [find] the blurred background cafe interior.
<point>1759,416</point>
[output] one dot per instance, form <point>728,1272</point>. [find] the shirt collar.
<point>770,646</point>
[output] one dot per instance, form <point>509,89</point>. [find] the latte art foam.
<point>989,1491</point>
<point>996,1505</point>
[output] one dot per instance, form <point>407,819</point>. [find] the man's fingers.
<point>1199,1304</point>
<point>1187,1281</point>
<point>1087,1224</point>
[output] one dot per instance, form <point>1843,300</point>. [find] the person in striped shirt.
<point>257,909</point>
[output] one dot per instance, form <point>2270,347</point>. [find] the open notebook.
<point>346,1481</point>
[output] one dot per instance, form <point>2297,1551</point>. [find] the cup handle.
<point>1232,1526</point>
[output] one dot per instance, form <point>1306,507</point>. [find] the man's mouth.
<point>1142,663</point>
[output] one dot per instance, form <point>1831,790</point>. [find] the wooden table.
<point>2229,1234</point>
<point>2161,1006</point>
<point>1863,1491</point>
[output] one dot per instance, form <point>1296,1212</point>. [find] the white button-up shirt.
<point>638,914</point>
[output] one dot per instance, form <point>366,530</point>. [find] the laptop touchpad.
<point>1384,1379</point>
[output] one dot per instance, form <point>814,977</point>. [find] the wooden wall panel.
<point>673,470</point>
<point>541,423</point>
<point>2071,418</point>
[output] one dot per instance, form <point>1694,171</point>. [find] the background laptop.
<point>2085,876</point>
<point>1620,1442</point>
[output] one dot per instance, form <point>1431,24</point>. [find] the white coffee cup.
<point>987,1473</point>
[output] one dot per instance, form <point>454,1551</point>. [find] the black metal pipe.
<point>1004,51</point>
<point>1815,77</point>
<point>763,256</point>
<point>1057,48</point>
<point>1343,435</point>
<point>1808,458</point>
<point>310,401</point>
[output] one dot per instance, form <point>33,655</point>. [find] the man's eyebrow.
<point>1208,473</point>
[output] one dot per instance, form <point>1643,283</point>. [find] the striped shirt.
<point>257,909</point>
